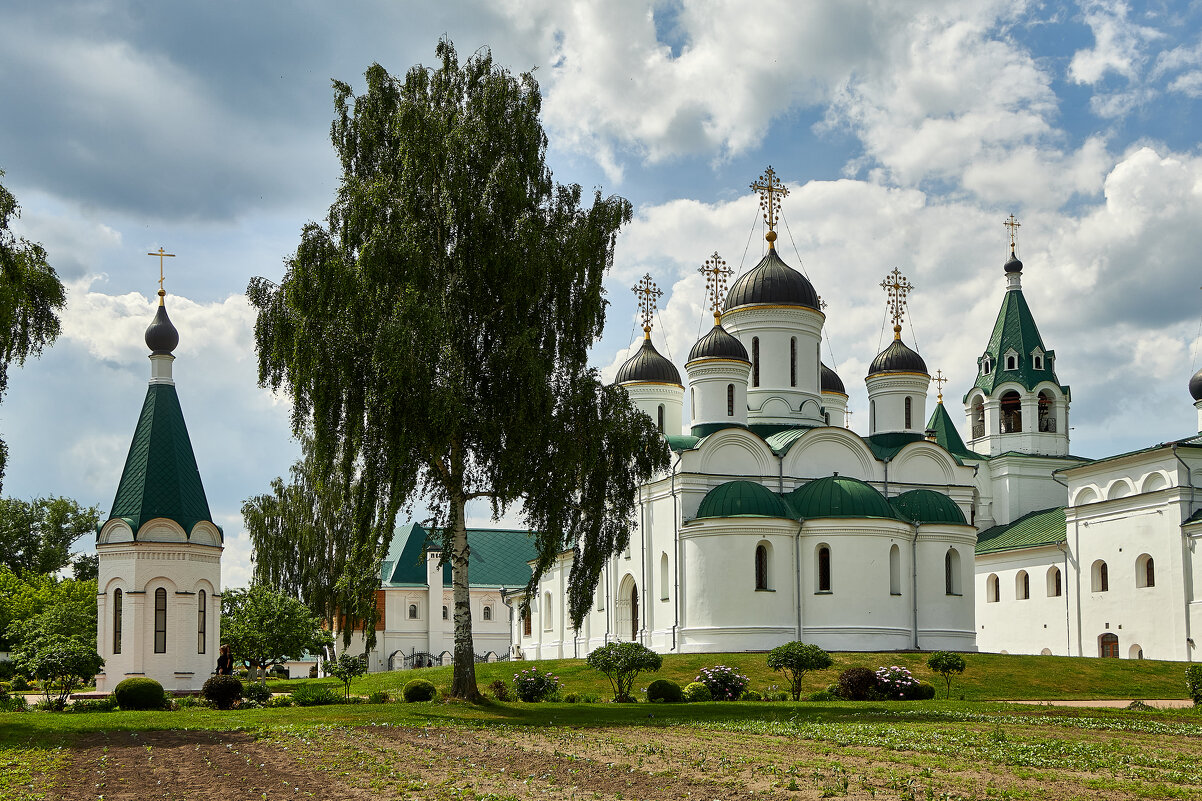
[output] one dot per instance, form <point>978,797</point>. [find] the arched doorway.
<point>628,609</point>
<point>1108,646</point>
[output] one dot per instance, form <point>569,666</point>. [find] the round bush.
<point>664,690</point>
<point>752,695</point>
<point>823,695</point>
<point>856,684</point>
<point>419,690</point>
<point>925,691</point>
<point>724,683</point>
<point>222,691</point>
<point>256,692</point>
<point>696,691</point>
<point>140,693</point>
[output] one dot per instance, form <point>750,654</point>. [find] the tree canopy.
<point>30,296</point>
<point>434,334</point>
<point>795,659</point>
<point>36,536</point>
<point>42,601</point>
<point>264,627</point>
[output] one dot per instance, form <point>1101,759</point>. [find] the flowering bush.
<point>895,682</point>
<point>531,686</point>
<point>724,683</point>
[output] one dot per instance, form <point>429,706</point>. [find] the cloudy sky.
<point>906,131</point>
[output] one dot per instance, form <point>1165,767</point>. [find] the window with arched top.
<point>951,572</point>
<point>117,603</point>
<point>1012,413</point>
<point>909,412</point>
<point>1099,577</point>
<point>872,416</point>
<point>1108,646</point>
<point>824,568</point>
<point>487,613</point>
<point>1055,580</point>
<point>413,611</point>
<point>445,612</point>
<point>978,418</point>
<point>201,620</point>
<point>894,570</point>
<point>792,361</point>
<point>1047,413</point>
<point>730,400</point>
<point>986,366</point>
<point>1145,571</point>
<point>693,404</point>
<point>160,621</point>
<point>993,589</point>
<point>1011,363</point>
<point>755,361</point>
<point>661,418</point>
<point>664,578</point>
<point>1038,361</point>
<point>761,567</point>
<point>548,619</point>
<point>1022,586</point>
<point>827,417</point>
<point>526,627</point>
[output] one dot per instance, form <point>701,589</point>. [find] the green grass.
<point>988,677</point>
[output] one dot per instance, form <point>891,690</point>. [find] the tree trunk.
<point>463,680</point>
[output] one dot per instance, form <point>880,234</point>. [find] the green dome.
<point>740,498</point>
<point>928,506</point>
<point>839,496</point>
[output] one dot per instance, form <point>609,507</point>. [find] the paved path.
<point>1164,703</point>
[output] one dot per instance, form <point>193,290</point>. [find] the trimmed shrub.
<point>378,697</point>
<point>751,695</point>
<point>20,684</point>
<point>532,685</point>
<point>571,698</point>
<point>856,684</point>
<point>315,695</point>
<point>895,682</point>
<point>724,683</point>
<point>257,693</point>
<point>419,690</point>
<point>925,691</point>
<point>622,662</point>
<point>500,691</point>
<point>696,691</point>
<point>1193,683</point>
<point>796,659</point>
<point>822,695</point>
<point>107,704</point>
<point>279,701</point>
<point>946,663</point>
<point>140,693</point>
<point>664,690</point>
<point>221,691</point>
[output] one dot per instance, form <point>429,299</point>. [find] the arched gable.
<point>1156,480</point>
<point>823,451</point>
<point>923,463</point>
<point>775,407</point>
<point>1087,494</point>
<point>161,529</point>
<point>205,533</point>
<point>735,452</point>
<point>1119,488</point>
<point>115,530</point>
<point>810,409</point>
<point>1051,388</point>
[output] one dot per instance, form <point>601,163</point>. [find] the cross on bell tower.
<point>940,380</point>
<point>896,287</point>
<point>771,191</point>
<point>647,293</point>
<point>716,272</point>
<point>1013,224</point>
<point>162,254</point>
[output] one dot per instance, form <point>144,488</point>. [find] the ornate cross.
<point>847,419</point>
<point>821,303</point>
<point>715,272</point>
<point>939,382</point>
<point>769,187</point>
<point>1013,224</point>
<point>896,288</point>
<point>647,292</point>
<point>162,254</point>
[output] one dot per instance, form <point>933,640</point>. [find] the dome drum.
<point>718,392</point>
<point>897,402</point>
<point>783,344</point>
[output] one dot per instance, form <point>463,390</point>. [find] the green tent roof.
<point>1015,329</point>
<point>499,557</point>
<point>886,446</point>
<point>947,435</point>
<point>928,506</point>
<point>1032,530</point>
<point>839,496</point>
<point>160,477</point>
<point>743,498</point>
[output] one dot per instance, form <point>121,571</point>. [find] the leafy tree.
<point>346,668</point>
<point>434,335</point>
<point>30,296</point>
<point>61,663</point>
<point>44,602</point>
<point>945,663</point>
<point>622,662</point>
<point>263,627</point>
<point>796,659</point>
<point>36,536</point>
<point>86,567</point>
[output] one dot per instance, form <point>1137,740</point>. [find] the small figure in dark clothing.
<point>225,662</point>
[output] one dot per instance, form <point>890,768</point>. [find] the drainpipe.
<point>1188,578</point>
<point>643,567</point>
<point>914,582</point>
<point>1068,626</point>
<point>676,552</point>
<point>1068,632</point>
<point>797,567</point>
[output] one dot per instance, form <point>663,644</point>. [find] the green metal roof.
<point>886,446</point>
<point>499,557</point>
<point>160,477</point>
<point>1015,329</point>
<point>928,506</point>
<point>839,496</point>
<point>743,498</point>
<point>1194,441</point>
<point>705,429</point>
<point>947,435</point>
<point>1032,530</point>
<point>682,442</point>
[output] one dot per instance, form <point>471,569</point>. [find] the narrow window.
<point>1010,362</point>
<point>661,418</point>
<point>413,611</point>
<point>792,361</point>
<point>824,569</point>
<point>1038,362</point>
<point>1047,416</point>
<point>755,361</point>
<point>909,412</point>
<point>761,567</point>
<point>693,403</point>
<point>117,622</point>
<point>827,416</point>
<point>1105,581</point>
<point>872,417</point>
<point>1054,587</point>
<point>1150,573</point>
<point>160,621</point>
<point>1022,586</point>
<point>730,400</point>
<point>445,612</point>
<point>548,621</point>
<point>201,610</point>
<point>951,572</point>
<point>488,613</point>
<point>978,419</point>
<point>663,576</point>
<point>526,623</point>
<point>993,589</point>
<point>1145,571</point>
<point>1101,577</point>
<point>894,570</point>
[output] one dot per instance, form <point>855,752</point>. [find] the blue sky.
<point>906,132</point>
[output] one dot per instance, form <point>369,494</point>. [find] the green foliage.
<point>30,296</point>
<point>13,703</point>
<point>72,605</point>
<point>500,690</point>
<point>1193,683</point>
<point>796,659</point>
<point>822,695</point>
<point>664,690</point>
<point>345,669</point>
<point>725,683</point>
<point>222,691</point>
<point>946,663</point>
<point>695,692</point>
<point>139,693</point>
<point>419,690</point>
<point>379,697</point>
<point>622,662</point>
<point>107,704</point>
<point>434,335</point>
<point>258,693</point>
<point>533,685</point>
<point>85,567</point>
<point>36,536</point>
<point>857,684</point>
<point>265,627</point>
<point>925,691</point>
<point>314,695</point>
<point>61,663</point>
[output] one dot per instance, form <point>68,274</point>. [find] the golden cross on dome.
<point>1013,224</point>
<point>647,293</point>
<point>162,254</point>
<point>715,272</point>
<point>769,186</point>
<point>939,382</point>
<point>847,419</point>
<point>896,288</point>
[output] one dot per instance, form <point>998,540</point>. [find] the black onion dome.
<point>1013,265</point>
<point>772,281</point>
<point>831,381</point>
<point>897,358</point>
<point>161,336</point>
<point>1195,386</point>
<point>718,344</point>
<point>648,365</point>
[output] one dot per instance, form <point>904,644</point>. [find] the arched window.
<point>1022,586</point>
<point>985,366</point>
<point>1047,413</point>
<point>1108,646</point>
<point>693,403</point>
<point>951,572</point>
<point>117,621</point>
<point>526,623</point>
<point>755,361</point>
<point>1055,589</point>
<point>663,576</point>
<point>548,619</point>
<point>909,412</point>
<point>993,589</point>
<point>160,621</point>
<point>1038,360</point>
<point>824,568</point>
<point>761,567</point>
<point>661,418</point>
<point>792,361</point>
<point>1012,413</point>
<point>827,416</point>
<point>730,400</point>
<point>201,609</point>
<point>445,612</point>
<point>1145,571</point>
<point>978,418</point>
<point>894,570</point>
<point>1011,363</point>
<point>872,416</point>
<point>488,613</point>
<point>1101,577</point>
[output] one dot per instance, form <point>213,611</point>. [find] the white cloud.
<point>1119,43</point>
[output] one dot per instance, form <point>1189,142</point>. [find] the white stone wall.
<point>649,396</point>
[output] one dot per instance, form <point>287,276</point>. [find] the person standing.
<point>225,662</point>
